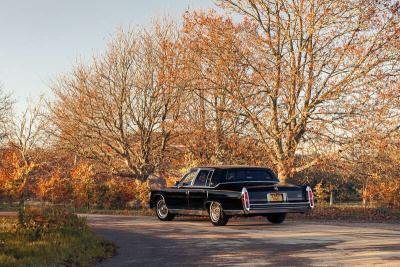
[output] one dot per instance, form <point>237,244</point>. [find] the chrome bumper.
<point>285,207</point>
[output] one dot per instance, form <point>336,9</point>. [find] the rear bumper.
<point>260,209</point>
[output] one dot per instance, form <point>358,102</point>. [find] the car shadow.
<point>233,222</point>
<point>175,247</point>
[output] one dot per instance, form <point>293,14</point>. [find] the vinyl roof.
<point>232,167</point>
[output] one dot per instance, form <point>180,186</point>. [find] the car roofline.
<point>226,167</point>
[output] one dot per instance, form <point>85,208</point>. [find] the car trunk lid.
<point>276,193</point>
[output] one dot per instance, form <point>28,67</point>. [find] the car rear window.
<point>249,175</point>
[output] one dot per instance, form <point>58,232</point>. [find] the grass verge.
<point>138,212</point>
<point>8,207</point>
<point>343,212</point>
<point>42,239</point>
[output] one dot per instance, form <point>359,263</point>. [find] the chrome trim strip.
<point>244,182</point>
<point>288,200</point>
<point>189,212</point>
<point>281,203</point>
<point>272,182</point>
<point>271,210</point>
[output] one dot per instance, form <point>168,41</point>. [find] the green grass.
<point>131,212</point>
<point>51,246</point>
<point>8,207</point>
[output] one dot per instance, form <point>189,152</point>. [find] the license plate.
<point>275,197</point>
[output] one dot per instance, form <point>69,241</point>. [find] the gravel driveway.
<point>145,241</point>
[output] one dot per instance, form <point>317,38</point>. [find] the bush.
<point>50,237</point>
<point>49,217</point>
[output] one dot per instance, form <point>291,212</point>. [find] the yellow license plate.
<point>275,197</point>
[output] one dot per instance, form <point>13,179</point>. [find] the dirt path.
<point>145,241</point>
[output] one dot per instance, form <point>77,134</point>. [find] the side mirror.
<point>176,183</point>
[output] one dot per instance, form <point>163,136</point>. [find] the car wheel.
<point>162,211</point>
<point>217,215</point>
<point>276,218</point>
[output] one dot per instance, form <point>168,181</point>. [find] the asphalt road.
<point>146,241</point>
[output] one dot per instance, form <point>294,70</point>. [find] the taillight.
<point>245,199</point>
<point>310,196</point>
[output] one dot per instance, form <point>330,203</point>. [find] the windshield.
<point>188,178</point>
<point>249,175</point>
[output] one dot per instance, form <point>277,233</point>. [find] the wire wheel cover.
<point>215,211</point>
<point>162,209</point>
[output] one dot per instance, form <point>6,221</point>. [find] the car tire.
<point>162,211</point>
<point>217,215</point>
<point>276,218</point>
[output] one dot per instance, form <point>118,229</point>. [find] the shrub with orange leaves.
<point>56,189</point>
<point>141,191</point>
<point>15,176</point>
<point>384,191</point>
<point>117,193</point>
<point>83,184</point>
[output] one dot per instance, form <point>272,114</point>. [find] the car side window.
<point>218,176</point>
<point>209,178</point>
<point>188,178</point>
<point>201,178</point>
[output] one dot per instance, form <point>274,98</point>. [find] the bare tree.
<point>27,135</point>
<point>212,118</point>
<point>370,159</point>
<point>28,131</point>
<point>120,109</point>
<point>306,64</point>
<point>6,103</point>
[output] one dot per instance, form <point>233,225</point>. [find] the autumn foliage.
<point>310,89</point>
<point>14,175</point>
<point>76,187</point>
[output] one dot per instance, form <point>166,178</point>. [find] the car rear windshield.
<point>249,175</point>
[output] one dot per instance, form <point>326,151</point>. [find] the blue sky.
<point>43,38</point>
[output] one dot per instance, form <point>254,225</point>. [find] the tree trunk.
<point>331,199</point>
<point>283,172</point>
<point>364,201</point>
<point>24,193</point>
<point>364,194</point>
<point>21,203</point>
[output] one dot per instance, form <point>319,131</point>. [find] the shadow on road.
<point>192,242</point>
<point>188,241</point>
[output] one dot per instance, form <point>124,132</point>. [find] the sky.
<point>42,39</point>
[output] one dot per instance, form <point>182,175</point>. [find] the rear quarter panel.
<point>230,200</point>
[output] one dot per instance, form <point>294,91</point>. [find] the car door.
<point>198,191</point>
<point>177,197</point>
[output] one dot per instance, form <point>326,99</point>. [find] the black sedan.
<point>224,191</point>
